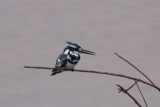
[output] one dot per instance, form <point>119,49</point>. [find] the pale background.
<point>34,32</point>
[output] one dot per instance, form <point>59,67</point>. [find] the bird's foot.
<point>72,69</point>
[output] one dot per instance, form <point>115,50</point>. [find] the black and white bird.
<point>70,57</point>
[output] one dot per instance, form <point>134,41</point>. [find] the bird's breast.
<point>70,66</point>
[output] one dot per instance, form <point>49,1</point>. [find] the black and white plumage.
<point>70,57</point>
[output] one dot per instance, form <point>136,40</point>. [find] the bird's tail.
<point>54,72</point>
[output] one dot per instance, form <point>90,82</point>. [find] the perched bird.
<point>70,57</point>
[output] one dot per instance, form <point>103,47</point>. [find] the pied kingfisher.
<point>70,57</point>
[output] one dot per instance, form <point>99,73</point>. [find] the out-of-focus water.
<point>34,33</point>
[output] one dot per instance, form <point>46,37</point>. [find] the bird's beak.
<point>86,51</point>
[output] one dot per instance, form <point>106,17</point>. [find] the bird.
<point>70,57</point>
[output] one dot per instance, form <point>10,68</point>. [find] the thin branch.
<point>98,72</point>
<point>121,89</point>
<point>134,67</point>
<point>132,85</point>
<point>142,95</point>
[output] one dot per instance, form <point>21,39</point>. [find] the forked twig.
<point>132,85</point>
<point>134,67</point>
<point>97,72</point>
<point>121,89</point>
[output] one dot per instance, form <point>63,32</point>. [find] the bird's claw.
<point>72,70</point>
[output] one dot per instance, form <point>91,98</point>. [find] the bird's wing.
<point>61,61</point>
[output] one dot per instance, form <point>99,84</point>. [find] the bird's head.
<point>76,48</point>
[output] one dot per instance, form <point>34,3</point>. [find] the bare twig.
<point>141,94</point>
<point>121,89</point>
<point>132,85</point>
<point>98,72</point>
<point>134,67</point>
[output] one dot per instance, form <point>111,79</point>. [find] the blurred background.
<point>34,33</point>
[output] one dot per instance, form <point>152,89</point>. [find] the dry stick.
<point>121,89</point>
<point>132,85</point>
<point>98,72</point>
<point>141,94</point>
<point>134,67</point>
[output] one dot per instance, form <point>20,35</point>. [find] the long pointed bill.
<point>87,52</point>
